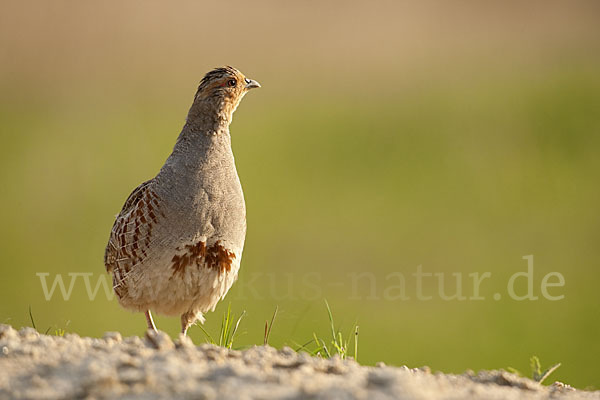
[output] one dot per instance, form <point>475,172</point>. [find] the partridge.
<point>175,248</point>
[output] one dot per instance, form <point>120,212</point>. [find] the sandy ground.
<point>36,366</point>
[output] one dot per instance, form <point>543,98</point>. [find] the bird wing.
<point>131,234</point>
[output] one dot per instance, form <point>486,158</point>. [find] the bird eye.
<point>231,82</point>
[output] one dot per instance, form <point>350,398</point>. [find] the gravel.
<point>36,366</point>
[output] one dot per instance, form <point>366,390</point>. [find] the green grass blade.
<point>269,326</point>
<point>303,346</point>
<point>547,372</point>
<point>330,320</point>
<point>208,337</point>
<point>356,343</point>
<point>235,328</point>
<point>536,368</point>
<point>31,318</point>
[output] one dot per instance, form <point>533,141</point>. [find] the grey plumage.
<point>175,247</point>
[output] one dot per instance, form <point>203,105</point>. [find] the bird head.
<point>219,94</point>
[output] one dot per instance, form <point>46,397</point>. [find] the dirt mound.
<point>36,366</point>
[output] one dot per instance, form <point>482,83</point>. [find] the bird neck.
<point>206,131</point>
<point>205,135</point>
<point>197,143</point>
<point>210,115</point>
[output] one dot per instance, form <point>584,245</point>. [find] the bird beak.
<point>251,84</point>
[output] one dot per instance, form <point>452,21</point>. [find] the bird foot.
<point>150,322</point>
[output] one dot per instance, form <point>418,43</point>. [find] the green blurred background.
<point>456,135</point>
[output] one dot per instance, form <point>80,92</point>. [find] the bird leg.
<point>150,321</point>
<point>186,321</point>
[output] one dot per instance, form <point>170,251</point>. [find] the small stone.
<point>379,378</point>
<point>159,340</point>
<point>184,342</point>
<point>114,336</point>
<point>380,364</point>
<point>561,386</point>
<point>288,351</point>
<point>132,375</point>
<point>28,333</point>
<point>72,337</point>
<point>304,358</point>
<point>133,341</point>
<point>234,354</point>
<point>7,331</point>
